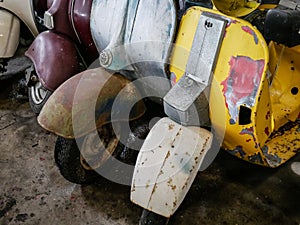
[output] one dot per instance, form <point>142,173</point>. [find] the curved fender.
<point>167,165</point>
<point>84,103</point>
<point>54,57</point>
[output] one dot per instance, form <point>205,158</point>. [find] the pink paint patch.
<point>244,76</point>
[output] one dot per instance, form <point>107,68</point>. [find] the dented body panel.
<point>258,86</point>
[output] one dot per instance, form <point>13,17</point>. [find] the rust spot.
<point>168,154</point>
<point>184,186</point>
<point>178,133</point>
<point>267,132</point>
<point>171,126</point>
<point>133,188</point>
<point>268,115</point>
<point>148,184</point>
<point>161,173</point>
<point>154,189</point>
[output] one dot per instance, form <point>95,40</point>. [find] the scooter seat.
<point>283,26</point>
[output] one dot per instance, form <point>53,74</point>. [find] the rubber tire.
<point>151,218</point>
<point>36,108</point>
<point>67,159</point>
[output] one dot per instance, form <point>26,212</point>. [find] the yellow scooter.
<point>249,79</point>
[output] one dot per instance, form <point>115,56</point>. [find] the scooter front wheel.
<point>151,218</point>
<point>67,159</point>
<point>38,96</point>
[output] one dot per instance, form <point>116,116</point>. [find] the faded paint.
<point>242,83</point>
<point>251,32</point>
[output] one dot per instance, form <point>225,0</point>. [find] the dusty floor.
<point>33,192</point>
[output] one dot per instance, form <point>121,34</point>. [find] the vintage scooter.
<point>253,92</point>
<point>19,22</point>
<point>246,94</point>
<point>121,40</point>
<point>62,51</point>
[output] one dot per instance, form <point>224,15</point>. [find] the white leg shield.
<point>167,165</point>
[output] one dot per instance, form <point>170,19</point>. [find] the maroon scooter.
<point>62,51</point>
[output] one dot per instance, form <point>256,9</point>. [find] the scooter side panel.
<point>80,18</point>
<point>9,34</point>
<point>120,28</point>
<point>59,54</point>
<point>241,85</point>
<point>24,11</point>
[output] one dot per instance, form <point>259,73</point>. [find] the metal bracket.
<point>48,20</point>
<point>198,72</point>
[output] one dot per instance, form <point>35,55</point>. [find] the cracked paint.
<point>249,131</point>
<point>242,83</point>
<point>238,150</point>
<point>272,160</point>
<point>251,32</point>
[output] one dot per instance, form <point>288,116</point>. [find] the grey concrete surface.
<point>32,191</point>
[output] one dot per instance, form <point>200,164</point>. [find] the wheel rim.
<point>38,93</point>
<point>95,151</point>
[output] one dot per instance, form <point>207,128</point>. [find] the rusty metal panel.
<point>84,102</point>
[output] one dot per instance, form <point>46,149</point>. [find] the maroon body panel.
<point>54,57</point>
<point>80,17</point>
<point>60,9</point>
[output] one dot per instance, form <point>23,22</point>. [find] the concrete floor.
<point>32,191</point>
